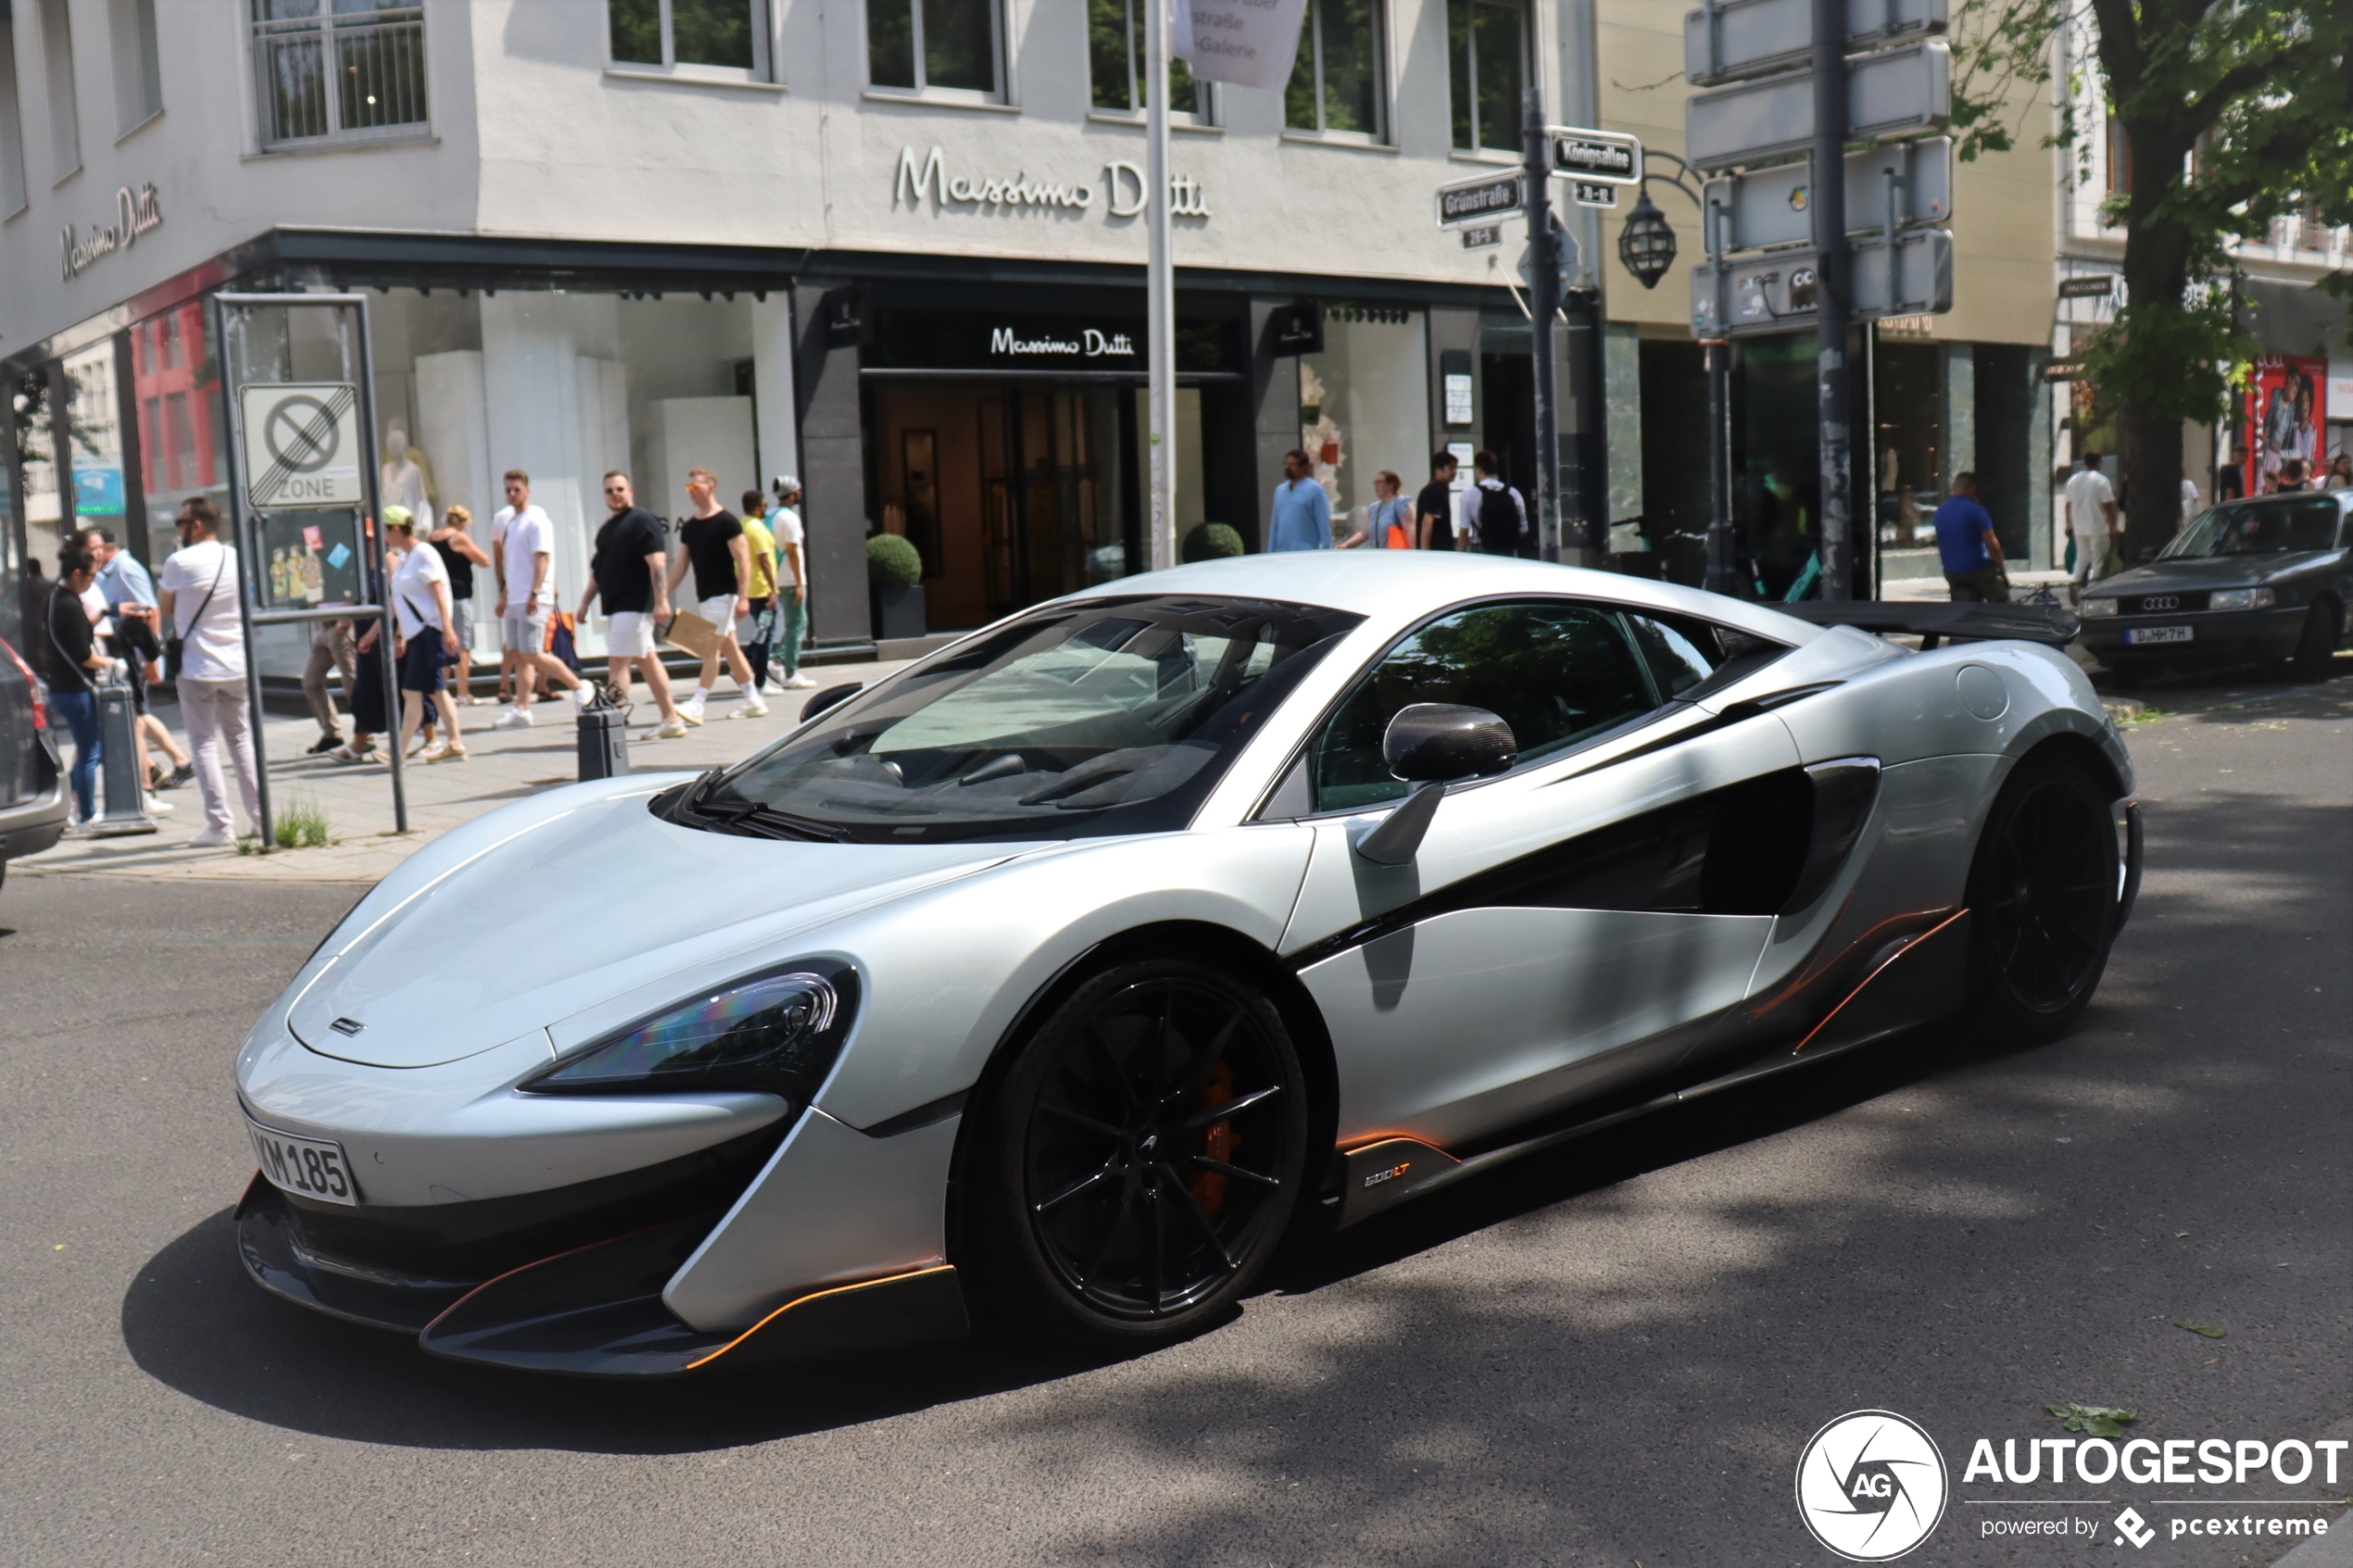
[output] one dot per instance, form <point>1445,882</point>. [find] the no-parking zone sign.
<point>301,443</point>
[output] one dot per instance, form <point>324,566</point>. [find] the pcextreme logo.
<point>1871,1486</point>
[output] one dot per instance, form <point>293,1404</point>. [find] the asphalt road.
<point>1613,1355</point>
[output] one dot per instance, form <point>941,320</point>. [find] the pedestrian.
<point>1434,506</point>
<point>73,666</point>
<point>2289,478</point>
<point>630,571</point>
<point>2340,474</point>
<point>330,649</point>
<point>424,638</point>
<point>526,593</point>
<point>1967,547</point>
<point>1303,515</point>
<point>760,550</point>
<point>1388,521</point>
<point>460,556</point>
<point>199,602</point>
<point>721,559</point>
<point>2091,519</point>
<point>792,582</point>
<point>2189,496</point>
<point>130,596</point>
<point>1496,512</point>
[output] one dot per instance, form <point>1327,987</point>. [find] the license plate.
<point>2161,633</point>
<point>311,1167</point>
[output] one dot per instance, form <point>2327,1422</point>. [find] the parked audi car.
<point>2265,577</point>
<point>32,782</point>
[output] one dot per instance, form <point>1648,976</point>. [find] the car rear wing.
<point>2052,625</point>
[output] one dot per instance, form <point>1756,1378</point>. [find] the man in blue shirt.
<point>1302,517</point>
<point>1965,544</point>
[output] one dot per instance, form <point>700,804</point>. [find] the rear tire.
<point>2041,895</point>
<point>1105,1198</point>
<point>2316,651</point>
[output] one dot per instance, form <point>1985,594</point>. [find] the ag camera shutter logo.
<point>1871,1486</point>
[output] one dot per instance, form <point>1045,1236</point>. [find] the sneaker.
<point>322,745</point>
<point>513,718</point>
<point>156,808</point>
<point>752,708</point>
<point>675,729</point>
<point>691,712</point>
<point>211,838</point>
<point>801,683</point>
<point>179,776</point>
<point>583,695</point>
<point>346,753</point>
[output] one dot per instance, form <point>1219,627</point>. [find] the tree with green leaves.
<point>2233,113</point>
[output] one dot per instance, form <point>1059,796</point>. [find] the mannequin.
<point>404,482</point>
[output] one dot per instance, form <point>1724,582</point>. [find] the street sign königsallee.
<point>1481,200</point>
<point>1609,156</point>
<point>1895,91</point>
<point>1776,293</point>
<point>1774,207</point>
<point>1751,37</point>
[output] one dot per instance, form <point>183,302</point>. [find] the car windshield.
<point>2265,525</point>
<point>1108,716</point>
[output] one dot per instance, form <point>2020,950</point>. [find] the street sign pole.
<point>1543,308</point>
<point>1835,289</point>
<point>1159,296</point>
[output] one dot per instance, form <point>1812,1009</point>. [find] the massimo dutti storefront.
<point>991,411</point>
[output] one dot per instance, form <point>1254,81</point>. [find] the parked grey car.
<point>2265,577</point>
<point>33,797</point>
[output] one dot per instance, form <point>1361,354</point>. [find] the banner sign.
<point>1247,43</point>
<point>2286,412</point>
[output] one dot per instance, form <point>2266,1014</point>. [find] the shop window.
<point>12,191</point>
<point>934,45</point>
<point>176,389</point>
<point>1115,57</point>
<point>1364,406</point>
<point>65,108</point>
<point>1340,84</point>
<point>722,35</point>
<point>1487,54</point>
<point>138,64</point>
<point>354,70</point>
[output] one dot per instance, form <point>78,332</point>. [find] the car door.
<point>1565,927</point>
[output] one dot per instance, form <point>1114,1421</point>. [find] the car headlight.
<point>2240,598</point>
<point>2090,607</point>
<point>776,1033</point>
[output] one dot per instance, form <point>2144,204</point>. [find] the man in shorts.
<point>721,563</point>
<point>630,571</point>
<point>526,593</point>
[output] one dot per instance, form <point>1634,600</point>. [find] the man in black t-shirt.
<point>1434,508</point>
<point>721,558</point>
<point>629,571</point>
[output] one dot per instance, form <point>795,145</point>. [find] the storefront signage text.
<point>136,213</point>
<point>1090,343</point>
<point>930,178</point>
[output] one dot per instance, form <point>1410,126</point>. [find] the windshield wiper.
<point>731,813</point>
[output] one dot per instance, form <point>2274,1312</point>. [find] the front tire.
<point>1138,1162</point>
<point>2041,895</point>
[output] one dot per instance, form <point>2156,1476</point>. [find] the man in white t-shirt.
<point>792,584</point>
<point>2189,496</point>
<point>2091,516</point>
<point>197,597</point>
<point>526,560</point>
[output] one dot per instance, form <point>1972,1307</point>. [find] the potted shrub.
<point>895,587</point>
<point>1208,541</point>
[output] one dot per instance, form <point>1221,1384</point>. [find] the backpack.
<point>1493,513</point>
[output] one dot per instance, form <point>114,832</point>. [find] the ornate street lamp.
<point>1647,243</point>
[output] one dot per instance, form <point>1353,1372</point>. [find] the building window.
<point>930,46</point>
<point>353,73</point>
<point>12,191</point>
<point>1116,54</point>
<point>1486,51</point>
<point>730,35</point>
<point>1340,82</point>
<point>65,109</point>
<point>2119,159</point>
<point>138,64</point>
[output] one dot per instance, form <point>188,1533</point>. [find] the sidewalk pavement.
<point>501,765</point>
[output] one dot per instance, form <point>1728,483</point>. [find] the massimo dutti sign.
<point>1123,189</point>
<point>136,212</point>
<point>1082,342</point>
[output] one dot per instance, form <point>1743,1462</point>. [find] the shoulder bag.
<point>175,646</point>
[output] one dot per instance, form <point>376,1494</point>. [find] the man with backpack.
<point>1494,511</point>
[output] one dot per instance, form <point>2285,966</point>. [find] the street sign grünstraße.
<point>1481,200</point>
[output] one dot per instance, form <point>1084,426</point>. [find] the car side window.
<point>1557,673</point>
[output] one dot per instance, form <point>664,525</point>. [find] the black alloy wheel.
<point>1143,1157</point>
<point>2041,899</point>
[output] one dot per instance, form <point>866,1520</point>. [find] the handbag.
<point>689,633</point>
<point>564,640</point>
<point>175,646</point>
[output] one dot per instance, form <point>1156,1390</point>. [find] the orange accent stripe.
<point>523,1268</point>
<point>1874,974</point>
<point>1373,1141</point>
<point>815,1296</point>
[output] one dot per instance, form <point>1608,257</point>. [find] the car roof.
<point>1399,584</point>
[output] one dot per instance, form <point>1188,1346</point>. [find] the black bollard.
<point>126,811</point>
<point>604,741</point>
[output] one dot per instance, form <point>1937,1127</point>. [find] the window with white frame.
<point>953,47</point>
<point>338,70</point>
<point>693,37</point>
<point>1340,82</point>
<point>65,102</point>
<point>138,63</point>
<point>1115,60</point>
<point>1487,55</point>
